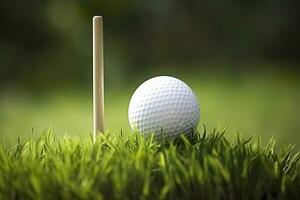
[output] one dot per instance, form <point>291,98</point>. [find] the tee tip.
<point>97,18</point>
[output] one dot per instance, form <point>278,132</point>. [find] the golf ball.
<point>163,106</point>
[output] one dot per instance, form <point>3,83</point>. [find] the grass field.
<point>128,166</point>
<point>265,105</point>
<point>65,164</point>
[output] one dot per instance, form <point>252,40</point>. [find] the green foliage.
<point>129,166</point>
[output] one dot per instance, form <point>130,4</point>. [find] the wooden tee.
<point>98,76</point>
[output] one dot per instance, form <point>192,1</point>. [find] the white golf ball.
<point>163,106</point>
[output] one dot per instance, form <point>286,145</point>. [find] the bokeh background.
<point>240,57</point>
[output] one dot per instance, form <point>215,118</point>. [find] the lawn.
<point>264,104</point>
<point>46,151</point>
<point>129,166</point>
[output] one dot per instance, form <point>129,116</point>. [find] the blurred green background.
<point>241,59</point>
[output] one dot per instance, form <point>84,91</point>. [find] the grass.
<point>128,166</point>
<point>262,104</point>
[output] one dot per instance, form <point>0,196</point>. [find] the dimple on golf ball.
<point>163,106</point>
